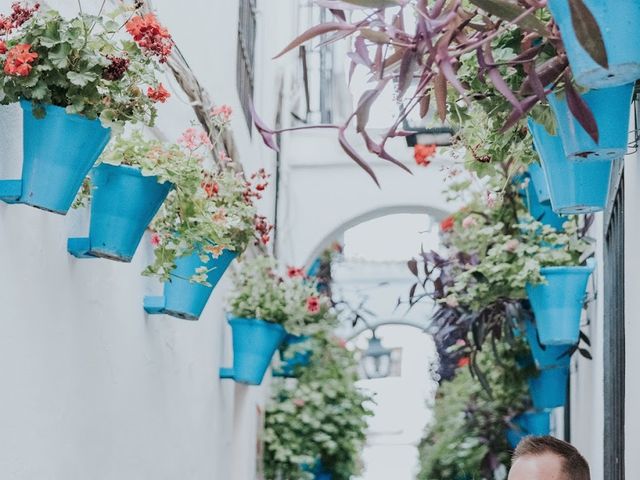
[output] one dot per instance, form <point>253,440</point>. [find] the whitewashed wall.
<point>92,387</point>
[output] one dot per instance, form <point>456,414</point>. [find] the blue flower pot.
<point>254,343</point>
<point>183,298</point>
<point>540,211</point>
<point>291,363</point>
<point>557,305</point>
<point>539,182</point>
<point>618,21</point>
<point>610,107</point>
<point>124,202</point>
<point>59,151</point>
<point>549,389</point>
<point>574,187</point>
<point>528,423</point>
<point>546,356</point>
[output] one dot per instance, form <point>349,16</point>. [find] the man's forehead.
<point>547,466</point>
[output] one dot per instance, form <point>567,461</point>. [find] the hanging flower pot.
<point>291,362</point>
<point>183,298</point>
<point>610,107</point>
<point>124,202</point>
<point>557,305</point>
<point>574,187</point>
<point>549,388</point>
<point>528,423</point>
<point>540,210</point>
<point>254,343</point>
<point>539,182</point>
<point>546,356</point>
<point>59,151</point>
<point>618,21</point>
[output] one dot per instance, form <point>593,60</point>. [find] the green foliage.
<point>68,72</point>
<point>292,301</point>
<point>168,162</point>
<point>505,263</point>
<point>466,438</point>
<point>319,418</point>
<point>208,211</point>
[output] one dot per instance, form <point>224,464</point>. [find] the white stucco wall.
<point>92,386</point>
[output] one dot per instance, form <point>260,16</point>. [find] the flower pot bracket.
<point>227,373</point>
<point>10,191</point>
<point>80,247</point>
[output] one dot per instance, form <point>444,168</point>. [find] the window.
<point>246,53</point>
<point>614,341</point>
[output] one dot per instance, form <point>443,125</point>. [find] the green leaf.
<point>59,55</point>
<point>81,79</point>
<point>588,32</point>
<point>40,91</point>
<point>510,11</point>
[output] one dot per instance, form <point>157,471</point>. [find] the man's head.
<point>547,458</point>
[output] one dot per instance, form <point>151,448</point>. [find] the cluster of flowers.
<point>19,15</point>
<point>423,153</point>
<point>152,37</point>
<point>19,58</point>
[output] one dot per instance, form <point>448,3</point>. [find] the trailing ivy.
<point>318,420</point>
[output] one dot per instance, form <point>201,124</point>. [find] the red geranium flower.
<point>3,47</point>
<point>293,272</point>
<point>19,60</point>
<point>158,95</point>
<point>150,35</point>
<point>447,224</point>
<point>422,154</point>
<point>313,304</point>
<point>463,362</point>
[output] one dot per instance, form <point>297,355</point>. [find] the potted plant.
<point>315,426</point>
<point>264,307</point>
<point>75,79</point>
<point>575,187</point>
<point>556,282</point>
<point>616,62</point>
<point>610,110</point>
<point>128,187</point>
<point>206,222</point>
<point>519,57</point>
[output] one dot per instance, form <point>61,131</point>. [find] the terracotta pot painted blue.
<point>528,423</point>
<point>574,187</point>
<point>123,204</point>
<point>546,356</point>
<point>291,363</point>
<point>618,21</point>
<point>254,343</point>
<point>557,305</point>
<point>183,298</point>
<point>549,389</point>
<point>540,211</point>
<point>610,107</point>
<point>59,151</point>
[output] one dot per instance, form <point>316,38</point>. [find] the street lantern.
<point>376,360</point>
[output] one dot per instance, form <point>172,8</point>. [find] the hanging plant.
<point>291,300</point>
<point>75,79</point>
<point>424,61</point>
<point>211,211</point>
<point>318,422</point>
